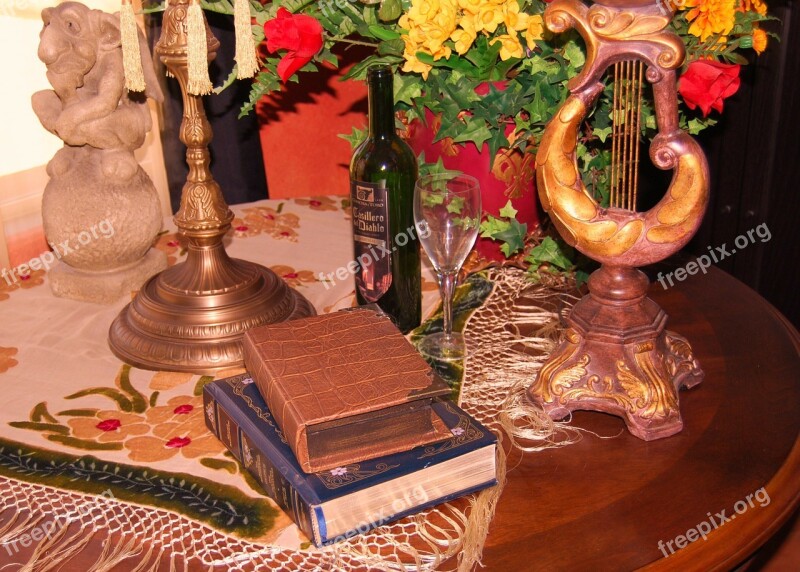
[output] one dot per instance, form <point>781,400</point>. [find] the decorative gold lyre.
<point>616,355</point>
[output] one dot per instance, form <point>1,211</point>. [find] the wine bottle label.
<point>373,249</point>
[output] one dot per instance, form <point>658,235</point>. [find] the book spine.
<point>259,464</point>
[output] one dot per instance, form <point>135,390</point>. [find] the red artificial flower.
<point>109,425</point>
<point>300,34</point>
<point>706,83</point>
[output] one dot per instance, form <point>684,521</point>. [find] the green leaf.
<point>493,226</point>
<point>391,47</point>
<point>513,238</point>
<point>508,211</point>
<point>390,10</point>
<point>475,131</point>
<point>603,133</point>
<point>384,33</point>
<point>356,136</point>
<point>551,252</point>
<point>456,205</point>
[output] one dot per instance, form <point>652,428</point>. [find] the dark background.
<point>754,156</point>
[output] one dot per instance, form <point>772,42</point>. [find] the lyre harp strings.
<point>626,115</point>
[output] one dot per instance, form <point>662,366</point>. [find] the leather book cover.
<point>345,387</point>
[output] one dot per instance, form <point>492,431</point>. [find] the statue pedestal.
<point>617,357</point>
<point>104,286</point>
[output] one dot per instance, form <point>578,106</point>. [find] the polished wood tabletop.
<point>623,504</point>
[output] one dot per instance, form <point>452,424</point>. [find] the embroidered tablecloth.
<point>91,448</point>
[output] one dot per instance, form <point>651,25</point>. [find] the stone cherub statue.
<point>95,177</point>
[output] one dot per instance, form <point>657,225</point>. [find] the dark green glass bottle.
<point>382,176</point>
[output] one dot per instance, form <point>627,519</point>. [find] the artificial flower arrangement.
<point>492,76</point>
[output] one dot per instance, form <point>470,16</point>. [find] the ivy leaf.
<point>603,133</point>
<point>508,211</point>
<point>456,205</point>
<point>513,237</point>
<point>355,137</point>
<point>493,226</point>
<point>551,252</point>
<point>475,131</point>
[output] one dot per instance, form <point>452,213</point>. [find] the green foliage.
<point>506,229</point>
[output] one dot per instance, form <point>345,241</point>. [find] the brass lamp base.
<point>616,357</point>
<point>181,321</point>
<point>192,317</point>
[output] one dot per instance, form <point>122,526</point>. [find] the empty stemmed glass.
<point>447,213</point>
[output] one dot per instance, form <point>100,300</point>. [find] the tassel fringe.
<point>199,82</point>
<point>131,56</point>
<point>246,60</point>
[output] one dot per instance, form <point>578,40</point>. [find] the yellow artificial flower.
<point>509,46</point>
<point>423,11</point>
<point>471,6</point>
<point>412,64</point>
<point>513,18</point>
<point>710,17</point>
<point>431,36</point>
<point>759,40</point>
<point>534,31</point>
<point>488,18</point>
<point>463,40</point>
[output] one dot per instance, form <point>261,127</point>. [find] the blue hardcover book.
<point>333,505</point>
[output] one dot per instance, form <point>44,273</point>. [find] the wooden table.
<point>605,504</point>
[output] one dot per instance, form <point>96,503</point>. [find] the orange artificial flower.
<point>757,6</point>
<point>759,40</point>
<point>709,17</point>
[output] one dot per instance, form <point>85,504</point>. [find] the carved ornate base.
<point>616,357</point>
<point>192,317</point>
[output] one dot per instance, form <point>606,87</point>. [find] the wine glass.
<point>447,214</point>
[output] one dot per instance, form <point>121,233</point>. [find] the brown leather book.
<point>345,387</point>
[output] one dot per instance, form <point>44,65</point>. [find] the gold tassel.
<point>199,82</point>
<point>131,56</point>
<point>246,61</point>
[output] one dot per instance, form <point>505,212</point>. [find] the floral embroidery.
<point>108,426</point>
<point>266,220</point>
<point>293,278</point>
<point>318,203</point>
<point>13,281</point>
<point>339,471</point>
<point>7,360</point>
<point>170,439</point>
<point>178,442</point>
<point>170,244</point>
<point>457,431</point>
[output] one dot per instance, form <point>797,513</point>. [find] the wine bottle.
<point>383,171</point>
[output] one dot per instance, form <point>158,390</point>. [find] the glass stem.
<point>447,283</point>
